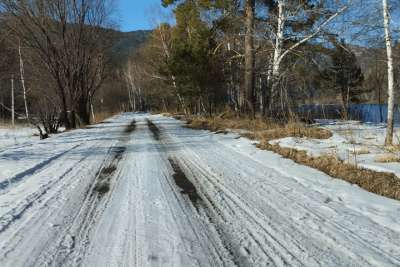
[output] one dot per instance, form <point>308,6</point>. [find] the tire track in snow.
<point>17,212</point>
<point>219,216</point>
<point>38,167</point>
<point>76,237</point>
<point>216,240</point>
<point>51,195</point>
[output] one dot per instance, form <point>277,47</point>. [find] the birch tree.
<point>287,13</point>
<point>22,76</point>
<point>388,42</point>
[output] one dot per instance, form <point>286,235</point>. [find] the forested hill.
<point>127,42</point>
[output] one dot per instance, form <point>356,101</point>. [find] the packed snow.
<point>252,207</point>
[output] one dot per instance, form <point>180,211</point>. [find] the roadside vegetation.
<point>378,182</point>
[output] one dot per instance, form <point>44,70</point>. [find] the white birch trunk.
<point>92,111</point>
<point>12,102</point>
<point>130,87</point>
<point>388,41</point>
<point>21,70</point>
<point>279,38</point>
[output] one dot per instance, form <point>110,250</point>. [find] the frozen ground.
<point>181,197</point>
<point>354,142</point>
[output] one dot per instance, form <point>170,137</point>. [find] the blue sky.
<point>136,14</point>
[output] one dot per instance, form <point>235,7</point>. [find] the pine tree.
<point>346,75</point>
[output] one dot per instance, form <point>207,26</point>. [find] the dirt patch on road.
<point>184,183</point>
<point>154,129</point>
<point>103,179</point>
<point>131,127</point>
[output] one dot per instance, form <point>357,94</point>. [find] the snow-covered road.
<point>181,197</point>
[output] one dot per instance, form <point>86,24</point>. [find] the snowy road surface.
<point>141,190</point>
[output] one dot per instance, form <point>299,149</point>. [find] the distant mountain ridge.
<point>127,42</point>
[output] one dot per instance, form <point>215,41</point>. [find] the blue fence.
<point>374,113</point>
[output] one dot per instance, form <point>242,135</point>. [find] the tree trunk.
<point>388,40</point>
<point>273,77</point>
<point>92,111</point>
<point>12,102</point>
<point>83,111</point>
<point>64,111</point>
<point>21,70</point>
<point>248,91</point>
<point>72,120</point>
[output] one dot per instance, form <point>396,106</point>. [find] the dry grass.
<point>101,116</point>
<point>387,157</point>
<point>381,183</point>
<point>392,148</point>
<point>360,151</point>
<point>258,128</point>
<point>218,123</point>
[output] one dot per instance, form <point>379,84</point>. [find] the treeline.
<point>263,58</point>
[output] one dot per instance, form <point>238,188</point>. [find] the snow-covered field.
<point>354,142</point>
<point>15,136</point>
<point>248,207</point>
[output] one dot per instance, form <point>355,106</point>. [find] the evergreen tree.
<point>192,62</point>
<point>345,74</point>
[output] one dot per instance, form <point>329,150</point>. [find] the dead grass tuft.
<point>293,130</point>
<point>381,183</point>
<point>392,148</point>
<point>360,151</point>
<point>218,123</point>
<point>387,157</point>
